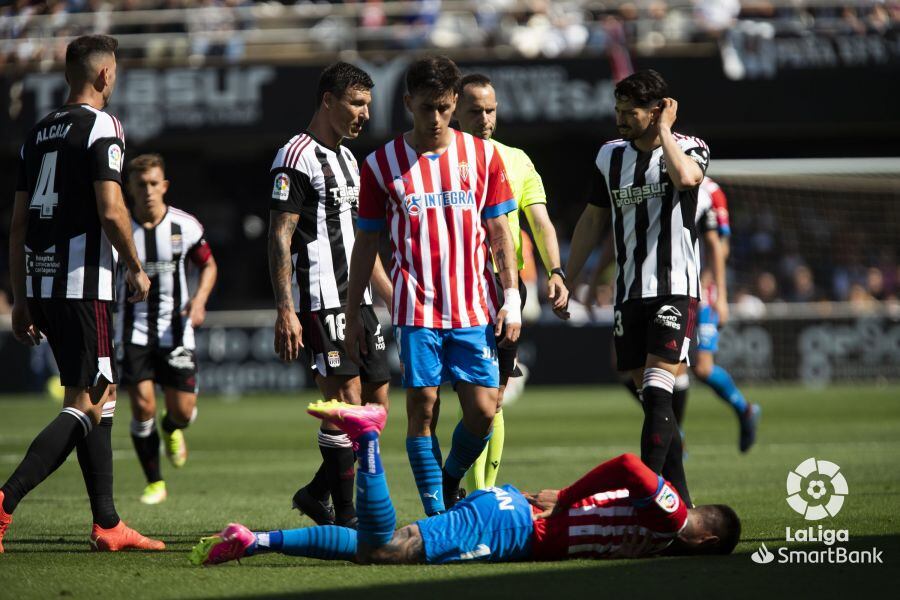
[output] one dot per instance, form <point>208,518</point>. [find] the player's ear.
<point>407,102</point>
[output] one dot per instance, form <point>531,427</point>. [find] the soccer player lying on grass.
<point>621,509</point>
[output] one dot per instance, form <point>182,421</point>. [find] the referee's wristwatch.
<point>558,271</point>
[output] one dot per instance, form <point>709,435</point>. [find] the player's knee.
<point>703,370</point>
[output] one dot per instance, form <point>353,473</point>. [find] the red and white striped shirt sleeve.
<point>372,200</point>
<point>499,199</point>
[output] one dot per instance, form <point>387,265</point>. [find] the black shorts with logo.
<point>169,367</point>
<point>323,340</point>
<point>80,336</point>
<point>507,357</point>
<point>662,326</point>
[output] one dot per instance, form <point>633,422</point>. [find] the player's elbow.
<point>688,180</point>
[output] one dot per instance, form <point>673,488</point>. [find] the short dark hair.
<point>340,77</point>
<point>145,162</point>
<point>479,79</point>
<point>643,88</point>
<point>435,75</point>
<point>81,51</point>
<point>722,521</point>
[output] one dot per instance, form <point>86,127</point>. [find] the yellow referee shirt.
<point>527,189</point>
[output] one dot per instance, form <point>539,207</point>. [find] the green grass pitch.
<point>248,457</point>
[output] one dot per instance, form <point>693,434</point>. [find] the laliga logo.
<point>814,500</point>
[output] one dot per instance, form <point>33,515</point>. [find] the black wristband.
<point>558,271</point>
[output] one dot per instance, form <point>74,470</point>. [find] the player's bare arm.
<point>195,309</point>
<point>405,548</point>
<point>717,262</point>
<point>548,247</point>
<point>591,225</point>
<point>362,264</point>
<point>683,171</point>
<point>504,252</point>
<point>24,329</point>
<point>288,338</point>
<point>381,282</point>
<point>116,223</point>
<point>545,500</point>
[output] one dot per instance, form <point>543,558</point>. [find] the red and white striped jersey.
<point>433,207</point>
<point>595,522</point>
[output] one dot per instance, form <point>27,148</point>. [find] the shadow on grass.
<point>735,576</point>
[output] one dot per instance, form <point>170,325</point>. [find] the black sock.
<point>629,383</point>
<point>318,486</point>
<point>169,424</point>
<point>673,470</point>
<point>145,438</point>
<point>659,426</point>
<point>339,463</point>
<point>95,458</point>
<point>49,449</point>
<point>679,403</point>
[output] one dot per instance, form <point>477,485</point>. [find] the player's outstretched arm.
<point>288,333</point>
<point>116,223</point>
<point>624,471</point>
<point>548,247</point>
<point>684,172</point>
<point>504,252</point>
<point>362,263</point>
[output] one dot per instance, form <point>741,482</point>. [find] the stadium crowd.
<point>36,31</point>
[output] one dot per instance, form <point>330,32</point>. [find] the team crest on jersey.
<point>662,164</point>
<point>115,158</point>
<point>177,243</point>
<point>282,188</point>
<point>667,499</point>
<point>412,205</point>
<point>334,358</point>
<point>464,171</point>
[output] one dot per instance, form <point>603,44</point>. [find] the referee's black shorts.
<point>80,333</point>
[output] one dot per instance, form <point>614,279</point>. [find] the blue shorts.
<point>708,329</point>
<point>492,525</point>
<point>429,357</point>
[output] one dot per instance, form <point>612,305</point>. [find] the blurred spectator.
<point>767,288</point>
<point>804,287</point>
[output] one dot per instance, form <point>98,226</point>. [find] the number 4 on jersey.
<point>45,197</point>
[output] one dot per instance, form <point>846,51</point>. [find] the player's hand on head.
<point>668,112</point>
<point>355,338</point>
<point>635,543</point>
<point>139,284</point>
<point>288,335</point>
<point>24,329</point>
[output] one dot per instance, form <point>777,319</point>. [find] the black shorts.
<point>661,326</point>
<point>80,335</point>
<point>169,367</point>
<point>507,357</point>
<point>323,340</point>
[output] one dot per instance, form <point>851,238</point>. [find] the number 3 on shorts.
<point>619,331</point>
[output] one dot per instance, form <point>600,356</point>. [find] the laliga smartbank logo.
<point>816,489</point>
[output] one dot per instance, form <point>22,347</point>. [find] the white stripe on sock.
<point>334,440</point>
<point>143,429</point>
<point>86,423</point>
<point>659,378</point>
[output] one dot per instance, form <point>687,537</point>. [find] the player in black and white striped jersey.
<point>648,181</point>
<point>315,188</point>
<point>155,338</point>
<point>69,222</point>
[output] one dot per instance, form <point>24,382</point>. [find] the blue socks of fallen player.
<point>466,448</point>
<point>324,542</point>
<point>723,385</point>
<point>374,509</point>
<point>423,458</point>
